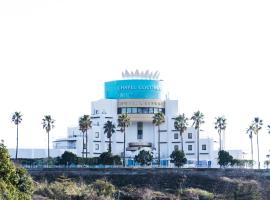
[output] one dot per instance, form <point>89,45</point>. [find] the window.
<point>134,110</point>
<point>139,110</point>
<point>189,135</point>
<point>176,136</point>
<point>155,110</point>
<point>176,147</point>
<point>119,111</point>
<point>204,147</point>
<point>96,146</point>
<point>151,110</point>
<point>145,110</point>
<point>140,130</point>
<point>96,134</point>
<point>190,147</point>
<point>124,110</point>
<point>163,110</point>
<point>128,110</point>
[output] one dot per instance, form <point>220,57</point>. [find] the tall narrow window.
<point>140,130</point>
<point>204,147</point>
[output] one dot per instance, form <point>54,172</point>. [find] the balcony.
<point>140,144</point>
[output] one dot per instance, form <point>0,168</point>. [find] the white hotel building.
<point>140,96</point>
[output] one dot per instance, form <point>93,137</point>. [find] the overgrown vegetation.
<point>15,183</point>
<point>66,189</point>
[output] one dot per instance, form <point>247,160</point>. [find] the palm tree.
<point>123,122</point>
<point>48,125</point>
<point>180,124</point>
<point>250,131</point>
<point>158,119</point>
<point>85,123</point>
<point>109,129</point>
<point>197,121</point>
<point>220,125</point>
<point>257,123</point>
<point>17,119</point>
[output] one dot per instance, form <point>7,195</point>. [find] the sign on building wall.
<point>133,89</point>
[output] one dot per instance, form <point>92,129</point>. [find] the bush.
<point>15,183</point>
<point>178,158</point>
<point>224,158</point>
<point>144,158</point>
<point>107,158</point>
<point>68,158</point>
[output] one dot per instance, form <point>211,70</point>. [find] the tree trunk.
<point>198,146</point>
<point>251,143</point>
<point>110,144</point>
<point>124,158</point>
<point>86,143</point>
<point>182,142</point>
<point>48,133</point>
<point>258,150</point>
<point>219,132</point>
<point>83,145</point>
<point>158,146</point>
<point>16,157</point>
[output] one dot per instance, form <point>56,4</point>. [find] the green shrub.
<point>144,158</point>
<point>15,183</point>
<point>107,158</point>
<point>178,158</point>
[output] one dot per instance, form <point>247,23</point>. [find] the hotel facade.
<point>139,95</point>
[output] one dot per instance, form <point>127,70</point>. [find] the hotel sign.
<point>141,103</point>
<point>133,89</point>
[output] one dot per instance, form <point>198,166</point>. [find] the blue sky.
<point>55,56</point>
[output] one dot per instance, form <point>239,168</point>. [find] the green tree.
<point>180,124</point>
<point>224,158</point>
<point>15,183</point>
<point>144,158</point>
<point>109,129</point>
<point>220,125</point>
<point>17,119</point>
<point>85,123</point>
<point>68,158</point>
<point>158,119</point>
<point>178,158</point>
<point>250,132</point>
<point>48,125</point>
<point>123,123</point>
<point>198,119</point>
<point>106,158</point>
<point>257,124</point>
